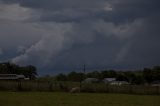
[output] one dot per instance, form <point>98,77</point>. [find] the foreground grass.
<point>82,99</point>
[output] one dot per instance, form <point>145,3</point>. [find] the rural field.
<point>80,99</point>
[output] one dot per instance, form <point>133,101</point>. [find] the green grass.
<point>82,99</point>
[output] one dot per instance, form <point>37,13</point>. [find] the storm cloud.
<point>64,34</point>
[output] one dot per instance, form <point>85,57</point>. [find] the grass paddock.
<point>81,99</point>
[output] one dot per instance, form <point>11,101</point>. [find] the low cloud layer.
<point>64,34</point>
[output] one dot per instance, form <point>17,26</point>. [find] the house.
<point>12,77</point>
<point>108,80</point>
<point>91,80</point>
<point>119,83</point>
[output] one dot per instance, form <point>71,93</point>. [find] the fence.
<point>66,86</point>
<point>130,89</point>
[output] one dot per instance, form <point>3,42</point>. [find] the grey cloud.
<point>21,49</point>
<point>14,34</point>
<point>1,51</point>
<point>66,10</point>
<point>59,4</point>
<point>58,37</point>
<point>122,53</point>
<point>46,47</point>
<point>129,10</point>
<point>62,37</point>
<point>76,10</point>
<point>66,33</point>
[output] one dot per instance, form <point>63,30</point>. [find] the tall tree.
<point>11,68</point>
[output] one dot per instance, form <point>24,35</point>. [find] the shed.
<point>91,80</point>
<point>108,80</point>
<point>119,83</point>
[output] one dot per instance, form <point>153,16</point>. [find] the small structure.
<point>91,80</point>
<point>108,80</point>
<point>155,83</point>
<point>12,77</point>
<point>119,83</point>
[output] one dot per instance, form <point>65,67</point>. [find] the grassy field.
<point>81,99</point>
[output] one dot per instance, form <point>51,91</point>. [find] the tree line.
<point>11,68</point>
<point>147,75</point>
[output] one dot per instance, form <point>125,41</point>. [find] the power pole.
<point>84,69</point>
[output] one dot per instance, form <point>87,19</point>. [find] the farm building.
<point>155,83</point>
<point>119,83</point>
<point>91,80</point>
<point>12,77</point>
<point>108,80</point>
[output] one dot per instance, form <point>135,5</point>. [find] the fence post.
<point>107,89</point>
<point>19,85</point>
<point>50,86</point>
<point>55,86</point>
<point>38,88</point>
<point>130,89</point>
<point>158,90</point>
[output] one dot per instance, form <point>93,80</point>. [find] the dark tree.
<point>147,73</point>
<point>61,77</point>
<point>121,77</point>
<point>73,76</point>
<point>11,68</point>
<point>94,74</point>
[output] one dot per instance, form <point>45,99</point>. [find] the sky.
<point>61,35</point>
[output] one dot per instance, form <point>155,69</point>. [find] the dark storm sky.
<point>61,35</point>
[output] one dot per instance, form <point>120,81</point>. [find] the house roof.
<point>90,79</point>
<point>109,79</point>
